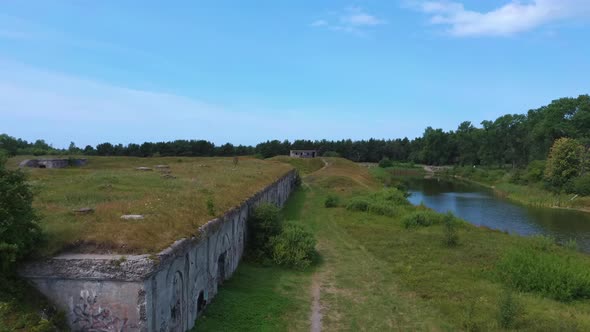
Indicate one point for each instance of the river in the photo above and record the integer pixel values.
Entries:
(479, 206)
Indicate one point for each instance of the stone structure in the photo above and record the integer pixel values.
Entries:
(160, 293)
(53, 163)
(303, 153)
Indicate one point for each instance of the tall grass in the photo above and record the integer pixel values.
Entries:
(548, 273)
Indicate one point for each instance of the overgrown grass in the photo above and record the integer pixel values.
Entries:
(303, 165)
(555, 275)
(173, 207)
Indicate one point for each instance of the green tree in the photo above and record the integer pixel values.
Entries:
(19, 231)
(564, 162)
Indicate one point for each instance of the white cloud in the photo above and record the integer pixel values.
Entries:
(511, 18)
(351, 20)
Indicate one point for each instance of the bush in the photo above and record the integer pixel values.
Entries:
(535, 171)
(332, 201)
(19, 231)
(451, 238)
(358, 204)
(581, 185)
(550, 274)
(509, 310)
(385, 162)
(293, 247)
(264, 224)
(421, 219)
(382, 209)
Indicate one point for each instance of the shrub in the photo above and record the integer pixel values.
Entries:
(547, 273)
(392, 195)
(264, 224)
(535, 171)
(382, 209)
(564, 162)
(358, 204)
(509, 310)
(581, 185)
(421, 219)
(293, 247)
(332, 201)
(451, 238)
(19, 231)
(385, 162)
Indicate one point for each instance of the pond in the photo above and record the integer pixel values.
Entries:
(480, 206)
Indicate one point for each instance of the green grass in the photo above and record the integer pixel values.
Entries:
(303, 165)
(259, 298)
(375, 274)
(174, 207)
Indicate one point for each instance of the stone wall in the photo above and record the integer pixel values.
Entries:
(165, 292)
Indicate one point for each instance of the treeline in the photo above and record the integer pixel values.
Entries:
(513, 139)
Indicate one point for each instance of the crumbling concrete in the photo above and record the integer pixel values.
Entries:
(53, 163)
(162, 292)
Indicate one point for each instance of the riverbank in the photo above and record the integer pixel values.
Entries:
(532, 195)
(377, 274)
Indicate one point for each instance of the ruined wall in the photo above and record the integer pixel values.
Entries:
(53, 163)
(144, 293)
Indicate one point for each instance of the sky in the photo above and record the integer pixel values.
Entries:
(249, 71)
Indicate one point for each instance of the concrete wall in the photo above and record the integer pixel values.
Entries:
(52, 163)
(145, 293)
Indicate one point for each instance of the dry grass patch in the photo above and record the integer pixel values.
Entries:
(173, 207)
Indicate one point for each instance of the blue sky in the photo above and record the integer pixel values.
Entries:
(247, 71)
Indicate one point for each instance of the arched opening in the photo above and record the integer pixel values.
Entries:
(201, 302)
(221, 269)
(42, 166)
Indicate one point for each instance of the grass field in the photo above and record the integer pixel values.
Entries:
(303, 165)
(377, 275)
(197, 190)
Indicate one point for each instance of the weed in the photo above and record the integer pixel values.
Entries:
(451, 238)
(211, 206)
(332, 201)
(572, 245)
(547, 273)
(421, 219)
(509, 310)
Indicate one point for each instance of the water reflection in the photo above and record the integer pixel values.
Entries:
(480, 206)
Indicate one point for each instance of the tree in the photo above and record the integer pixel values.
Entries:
(19, 231)
(564, 162)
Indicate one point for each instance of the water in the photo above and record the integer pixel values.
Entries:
(479, 206)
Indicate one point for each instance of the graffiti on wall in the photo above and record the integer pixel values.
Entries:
(91, 317)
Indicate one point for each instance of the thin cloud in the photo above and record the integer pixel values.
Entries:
(352, 20)
(509, 19)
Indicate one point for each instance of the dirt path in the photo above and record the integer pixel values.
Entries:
(316, 307)
(316, 289)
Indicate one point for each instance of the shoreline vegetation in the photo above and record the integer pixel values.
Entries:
(533, 195)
